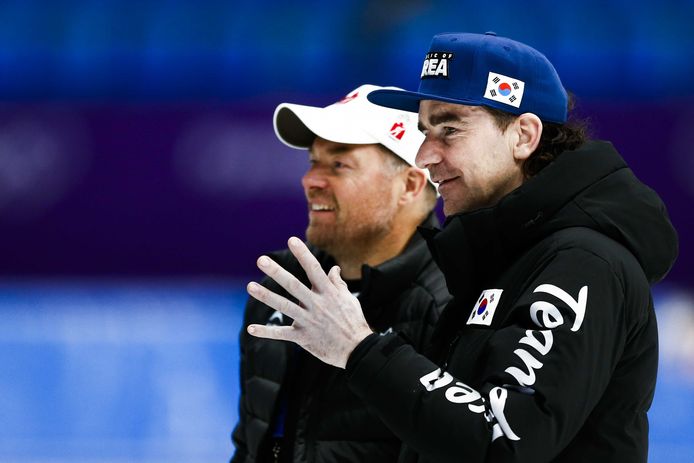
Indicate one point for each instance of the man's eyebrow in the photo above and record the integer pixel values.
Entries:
(442, 118)
(338, 149)
(333, 150)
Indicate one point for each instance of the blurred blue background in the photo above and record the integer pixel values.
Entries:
(140, 178)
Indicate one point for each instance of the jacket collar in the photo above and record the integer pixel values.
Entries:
(475, 247)
(382, 282)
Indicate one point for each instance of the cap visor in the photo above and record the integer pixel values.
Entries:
(409, 101)
(297, 126)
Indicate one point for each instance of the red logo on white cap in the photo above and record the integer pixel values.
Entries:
(398, 130)
(349, 98)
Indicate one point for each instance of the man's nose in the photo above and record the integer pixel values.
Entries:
(429, 154)
(314, 179)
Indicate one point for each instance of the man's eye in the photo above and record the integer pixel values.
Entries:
(338, 165)
(449, 130)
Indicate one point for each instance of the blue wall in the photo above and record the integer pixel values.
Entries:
(155, 50)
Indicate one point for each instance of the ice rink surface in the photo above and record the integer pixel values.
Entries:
(132, 371)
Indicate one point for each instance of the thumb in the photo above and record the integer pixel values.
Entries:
(335, 278)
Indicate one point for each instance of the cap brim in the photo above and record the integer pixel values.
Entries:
(409, 101)
(297, 126)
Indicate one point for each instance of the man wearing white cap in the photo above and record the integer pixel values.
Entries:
(365, 199)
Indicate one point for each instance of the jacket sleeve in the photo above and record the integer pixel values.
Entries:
(545, 370)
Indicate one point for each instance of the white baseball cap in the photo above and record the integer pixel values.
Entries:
(352, 120)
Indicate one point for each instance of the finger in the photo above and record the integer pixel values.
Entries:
(335, 278)
(284, 279)
(276, 301)
(281, 333)
(310, 264)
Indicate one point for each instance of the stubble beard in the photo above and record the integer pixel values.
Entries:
(352, 238)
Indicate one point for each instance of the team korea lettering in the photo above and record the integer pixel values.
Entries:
(545, 315)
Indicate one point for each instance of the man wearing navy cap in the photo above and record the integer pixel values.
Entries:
(549, 350)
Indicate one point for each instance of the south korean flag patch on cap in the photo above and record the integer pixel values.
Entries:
(504, 89)
(483, 313)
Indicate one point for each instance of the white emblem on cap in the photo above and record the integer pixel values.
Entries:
(504, 89)
(436, 64)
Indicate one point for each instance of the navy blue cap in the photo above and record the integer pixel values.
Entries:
(484, 70)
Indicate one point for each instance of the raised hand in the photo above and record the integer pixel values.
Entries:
(329, 323)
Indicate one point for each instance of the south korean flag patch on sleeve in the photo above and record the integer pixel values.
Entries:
(483, 312)
(504, 89)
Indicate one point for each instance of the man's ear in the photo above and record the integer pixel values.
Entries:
(528, 130)
(415, 181)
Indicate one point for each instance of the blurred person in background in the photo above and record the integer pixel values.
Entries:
(365, 201)
(549, 349)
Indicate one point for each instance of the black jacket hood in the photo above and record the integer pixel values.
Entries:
(589, 187)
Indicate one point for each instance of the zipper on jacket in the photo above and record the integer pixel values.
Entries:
(276, 451)
(449, 354)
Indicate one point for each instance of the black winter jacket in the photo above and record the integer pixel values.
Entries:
(327, 422)
(548, 350)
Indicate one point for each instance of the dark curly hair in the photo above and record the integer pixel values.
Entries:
(555, 138)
